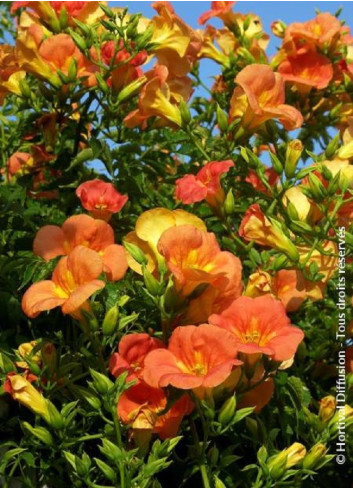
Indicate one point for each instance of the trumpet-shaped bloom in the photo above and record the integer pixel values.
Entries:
(149, 228)
(10, 72)
(197, 356)
(21, 390)
(223, 10)
(289, 286)
(307, 69)
(100, 198)
(260, 97)
(194, 258)
(141, 405)
(52, 241)
(132, 351)
(255, 226)
(74, 280)
(260, 325)
(44, 57)
(160, 97)
(205, 185)
(176, 45)
(323, 30)
(87, 12)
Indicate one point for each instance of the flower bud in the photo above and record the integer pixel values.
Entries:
(222, 119)
(227, 410)
(25, 89)
(277, 465)
(106, 469)
(185, 113)
(102, 84)
(131, 89)
(144, 38)
(88, 395)
(110, 321)
(49, 356)
(151, 283)
(295, 454)
(278, 28)
(286, 459)
(246, 54)
(327, 408)
(317, 190)
(276, 164)
(78, 40)
(136, 253)
(6, 364)
(314, 456)
(54, 417)
(101, 382)
(293, 153)
(41, 433)
(229, 203)
(332, 146)
(213, 455)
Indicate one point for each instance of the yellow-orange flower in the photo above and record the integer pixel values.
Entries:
(149, 228)
(160, 97)
(176, 44)
(255, 226)
(74, 280)
(260, 97)
(22, 390)
(10, 72)
(196, 260)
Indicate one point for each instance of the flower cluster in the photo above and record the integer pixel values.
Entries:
(175, 261)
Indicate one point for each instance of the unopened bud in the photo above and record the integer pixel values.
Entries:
(136, 253)
(41, 433)
(222, 119)
(276, 164)
(332, 146)
(78, 40)
(110, 321)
(278, 28)
(314, 456)
(185, 113)
(54, 418)
(318, 191)
(327, 408)
(101, 383)
(131, 89)
(151, 283)
(24, 88)
(229, 203)
(293, 153)
(227, 410)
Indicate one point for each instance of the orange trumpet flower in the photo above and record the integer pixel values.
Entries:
(194, 258)
(131, 355)
(260, 97)
(52, 241)
(197, 356)
(100, 198)
(307, 69)
(205, 185)
(141, 405)
(74, 280)
(260, 325)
